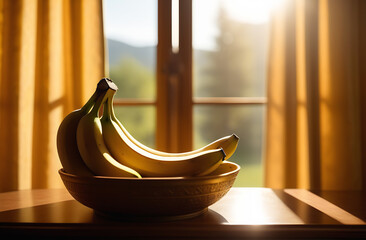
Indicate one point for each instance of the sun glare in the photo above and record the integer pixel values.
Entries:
(251, 11)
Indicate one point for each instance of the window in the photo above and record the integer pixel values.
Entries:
(131, 38)
(190, 72)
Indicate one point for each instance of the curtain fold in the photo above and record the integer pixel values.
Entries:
(316, 103)
(51, 57)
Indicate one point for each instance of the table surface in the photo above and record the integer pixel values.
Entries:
(242, 213)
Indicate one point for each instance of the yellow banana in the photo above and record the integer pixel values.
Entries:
(227, 143)
(151, 165)
(91, 144)
(66, 137)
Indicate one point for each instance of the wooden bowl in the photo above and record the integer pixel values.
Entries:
(165, 198)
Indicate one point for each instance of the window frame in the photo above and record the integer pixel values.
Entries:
(174, 99)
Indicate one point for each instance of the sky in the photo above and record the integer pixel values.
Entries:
(135, 21)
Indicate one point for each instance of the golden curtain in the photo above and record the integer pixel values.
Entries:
(51, 57)
(316, 96)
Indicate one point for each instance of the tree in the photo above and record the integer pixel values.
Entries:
(229, 72)
(135, 81)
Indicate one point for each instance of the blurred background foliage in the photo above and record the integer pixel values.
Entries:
(235, 68)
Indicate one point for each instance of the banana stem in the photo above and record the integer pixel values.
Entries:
(111, 113)
(107, 109)
(102, 86)
(111, 109)
(89, 104)
(100, 100)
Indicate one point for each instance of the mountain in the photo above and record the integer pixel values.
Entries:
(146, 56)
(117, 51)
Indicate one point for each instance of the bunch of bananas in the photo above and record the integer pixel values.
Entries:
(91, 145)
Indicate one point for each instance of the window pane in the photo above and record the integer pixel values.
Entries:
(230, 47)
(139, 122)
(131, 32)
(213, 122)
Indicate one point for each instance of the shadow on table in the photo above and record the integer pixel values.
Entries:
(304, 211)
(71, 211)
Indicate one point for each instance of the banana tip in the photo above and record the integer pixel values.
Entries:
(223, 153)
(236, 136)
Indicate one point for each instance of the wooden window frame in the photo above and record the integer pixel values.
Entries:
(174, 99)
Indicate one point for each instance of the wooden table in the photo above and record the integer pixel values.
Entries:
(244, 213)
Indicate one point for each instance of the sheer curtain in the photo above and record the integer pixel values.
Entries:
(316, 121)
(51, 57)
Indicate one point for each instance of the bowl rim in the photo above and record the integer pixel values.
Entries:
(234, 171)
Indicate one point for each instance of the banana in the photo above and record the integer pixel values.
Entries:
(66, 138)
(227, 143)
(149, 164)
(91, 144)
